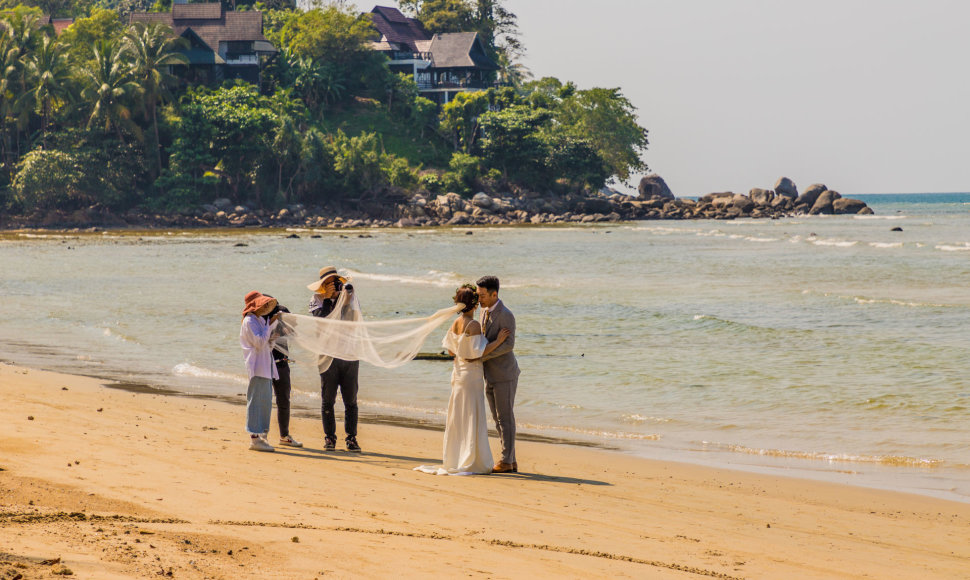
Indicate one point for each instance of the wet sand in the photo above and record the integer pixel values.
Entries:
(131, 482)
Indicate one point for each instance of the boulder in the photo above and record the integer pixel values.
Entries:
(482, 200)
(786, 187)
(593, 205)
(743, 203)
(223, 203)
(710, 197)
(761, 196)
(653, 186)
(811, 194)
(847, 205)
(823, 204)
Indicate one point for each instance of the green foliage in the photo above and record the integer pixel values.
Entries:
(513, 142)
(224, 131)
(85, 33)
(460, 118)
(339, 37)
(79, 169)
(465, 171)
(609, 121)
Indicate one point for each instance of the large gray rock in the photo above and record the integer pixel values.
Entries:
(223, 203)
(653, 186)
(593, 205)
(710, 197)
(810, 195)
(482, 200)
(823, 204)
(847, 205)
(761, 196)
(743, 203)
(786, 187)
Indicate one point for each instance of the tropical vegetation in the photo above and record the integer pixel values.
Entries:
(97, 115)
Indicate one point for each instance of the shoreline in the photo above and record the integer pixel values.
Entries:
(867, 475)
(114, 483)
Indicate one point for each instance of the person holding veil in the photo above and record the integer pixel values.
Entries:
(465, 448)
(334, 298)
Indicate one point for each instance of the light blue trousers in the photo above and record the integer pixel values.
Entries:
(259, 405)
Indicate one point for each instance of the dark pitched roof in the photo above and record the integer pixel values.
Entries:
(395, 27)
(460, 50)
(203, 11)
(224, 27)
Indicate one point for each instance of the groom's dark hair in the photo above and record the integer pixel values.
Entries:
(489, 283)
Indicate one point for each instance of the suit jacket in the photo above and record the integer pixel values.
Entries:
(500, 364)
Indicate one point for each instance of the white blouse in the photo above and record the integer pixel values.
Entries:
(255, 337)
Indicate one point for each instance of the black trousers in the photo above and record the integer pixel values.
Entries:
(281, 387)
(342, 374)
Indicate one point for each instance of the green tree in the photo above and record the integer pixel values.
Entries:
(154, 49)
(609, 121)
(224, 132)
(19, 35)
(49, 78)
(341, 38)
(358, 162)
(513, 142)
(110, 89)
(79, 168)
(460, 118)
(84, 34)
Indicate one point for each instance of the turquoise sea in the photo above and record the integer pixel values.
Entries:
(827, 347)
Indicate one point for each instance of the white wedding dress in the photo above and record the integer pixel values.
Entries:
(466, 450)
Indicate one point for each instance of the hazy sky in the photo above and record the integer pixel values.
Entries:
(866, 96)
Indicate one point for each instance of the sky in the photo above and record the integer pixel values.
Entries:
(865, 96)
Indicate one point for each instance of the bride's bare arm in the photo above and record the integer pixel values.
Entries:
(502, 335)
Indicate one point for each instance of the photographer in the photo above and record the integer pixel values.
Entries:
(333, 298)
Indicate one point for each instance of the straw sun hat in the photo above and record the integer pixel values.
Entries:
(325, 273)
(254, 301)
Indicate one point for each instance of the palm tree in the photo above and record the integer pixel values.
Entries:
(49, 75)
(16, 41)
(154, 49)
(110, 88)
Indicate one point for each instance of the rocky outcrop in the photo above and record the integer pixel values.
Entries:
(654, 187)
(400, 209)
(786, 187)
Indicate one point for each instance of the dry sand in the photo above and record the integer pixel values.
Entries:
(109, 483)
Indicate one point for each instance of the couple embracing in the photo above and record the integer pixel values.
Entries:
(484, 367)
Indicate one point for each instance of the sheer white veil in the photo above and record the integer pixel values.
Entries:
(344, 334)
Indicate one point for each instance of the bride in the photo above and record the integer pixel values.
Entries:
(466, 449)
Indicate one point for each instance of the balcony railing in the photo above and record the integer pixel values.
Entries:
(242, 59)
(401, 55)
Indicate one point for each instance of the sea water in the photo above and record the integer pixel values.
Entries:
(828, 347)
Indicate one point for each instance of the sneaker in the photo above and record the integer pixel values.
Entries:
(289, 441)
(352, 445)
(259, 444)
(330, 443)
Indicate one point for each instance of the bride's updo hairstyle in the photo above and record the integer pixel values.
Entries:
(468, 296)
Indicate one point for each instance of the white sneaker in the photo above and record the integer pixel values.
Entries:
(258, 444)
(289, 441)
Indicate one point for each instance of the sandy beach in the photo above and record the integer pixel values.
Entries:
(111, 483)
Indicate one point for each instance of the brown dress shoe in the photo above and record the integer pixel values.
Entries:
(504, 468)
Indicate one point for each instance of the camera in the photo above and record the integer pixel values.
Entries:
(340, 284)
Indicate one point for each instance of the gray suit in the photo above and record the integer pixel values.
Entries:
(502, 378)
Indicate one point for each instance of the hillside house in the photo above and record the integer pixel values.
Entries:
(442, 65)
(222, 44)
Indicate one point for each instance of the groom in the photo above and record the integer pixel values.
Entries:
(501, 370)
